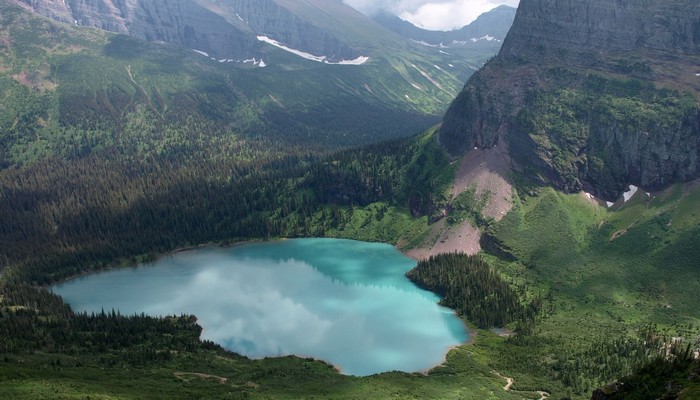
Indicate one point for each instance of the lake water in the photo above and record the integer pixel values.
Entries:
(341, 301)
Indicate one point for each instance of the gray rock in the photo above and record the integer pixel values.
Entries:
(617, 49)
(223, 29)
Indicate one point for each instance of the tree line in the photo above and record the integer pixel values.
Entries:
(475, 290)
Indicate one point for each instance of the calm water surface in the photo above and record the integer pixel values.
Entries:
(341, 301)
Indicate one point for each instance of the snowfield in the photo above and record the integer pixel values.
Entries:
(322, 59)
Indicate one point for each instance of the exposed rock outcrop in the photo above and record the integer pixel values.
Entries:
(223, 29)
(580, 92)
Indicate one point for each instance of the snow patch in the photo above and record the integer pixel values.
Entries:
(322, 59)
(609, 204)
(255, 62)
(358, 61)
(438, 67)
(451, 66)
(590, 196)
(423, 43)
(444, 52)
(486, 37)
(204, 53)
(698, 74)
(239, 17)
(416, 86)
(628, 194)
(428, 77)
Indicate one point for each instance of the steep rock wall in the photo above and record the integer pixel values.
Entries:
(590, 94)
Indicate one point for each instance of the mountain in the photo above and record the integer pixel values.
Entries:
(223, 29)
(593, 95)
(314, 74)
(489, 29)
(231, 29)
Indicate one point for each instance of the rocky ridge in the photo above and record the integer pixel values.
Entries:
(223, 29)
(592, 95)
(489, 29)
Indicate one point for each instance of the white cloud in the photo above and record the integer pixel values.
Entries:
(432, 14)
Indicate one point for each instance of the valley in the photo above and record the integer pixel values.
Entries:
(115, 150)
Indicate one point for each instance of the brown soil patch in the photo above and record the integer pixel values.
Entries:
(443, 239)
(486, 171)
(37, 80)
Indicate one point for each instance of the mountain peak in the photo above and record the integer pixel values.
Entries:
(491, 26)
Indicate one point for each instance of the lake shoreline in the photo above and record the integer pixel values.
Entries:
(470, 333)
(467, 334)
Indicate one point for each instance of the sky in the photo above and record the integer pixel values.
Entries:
(432, 14)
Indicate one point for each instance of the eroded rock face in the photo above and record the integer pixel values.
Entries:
(590, 94)
(224, 29)
(272, 19)
(54, 9)
(576, 29)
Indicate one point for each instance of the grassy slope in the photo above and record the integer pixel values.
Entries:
(596, 290)
(69, 90)
(602, 288)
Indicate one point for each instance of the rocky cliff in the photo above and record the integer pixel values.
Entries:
(590, 94)
(223, 29)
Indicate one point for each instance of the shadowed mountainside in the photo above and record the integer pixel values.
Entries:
(591, 95)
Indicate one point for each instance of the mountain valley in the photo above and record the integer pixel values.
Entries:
(555, 208)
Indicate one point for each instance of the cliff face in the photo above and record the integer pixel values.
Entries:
(579, 28)
(590, 94)
(224, 29)
(270, 17)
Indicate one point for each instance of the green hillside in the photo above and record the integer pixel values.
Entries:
(71, 91)
(605, 306)
(114, 151)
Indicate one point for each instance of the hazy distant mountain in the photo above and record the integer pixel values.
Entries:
(264, 69)
(490, 28)
(230, 28)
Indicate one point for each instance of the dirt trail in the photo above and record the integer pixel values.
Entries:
(509, 384)
(185, 375)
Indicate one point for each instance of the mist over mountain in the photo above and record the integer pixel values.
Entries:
(314, 72)
(489, 29)
(555, 209)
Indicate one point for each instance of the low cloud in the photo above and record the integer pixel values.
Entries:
(432, 14)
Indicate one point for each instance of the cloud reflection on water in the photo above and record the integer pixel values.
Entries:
(352, 308)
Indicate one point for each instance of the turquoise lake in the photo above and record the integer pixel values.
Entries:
(345, 302)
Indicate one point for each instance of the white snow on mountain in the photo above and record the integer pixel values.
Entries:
(322, 59)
